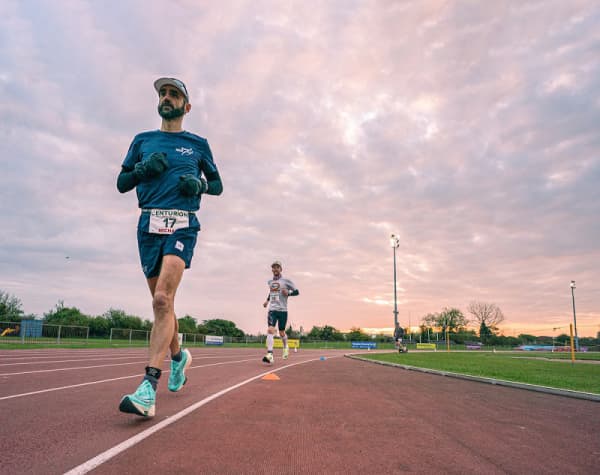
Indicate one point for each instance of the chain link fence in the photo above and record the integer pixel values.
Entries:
(36, 331)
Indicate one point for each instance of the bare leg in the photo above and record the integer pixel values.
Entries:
(163, 304)
(174, 347)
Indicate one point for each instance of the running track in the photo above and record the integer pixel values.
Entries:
(58, 414)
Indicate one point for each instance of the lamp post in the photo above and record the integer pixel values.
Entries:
(395, 243)
(574, 315)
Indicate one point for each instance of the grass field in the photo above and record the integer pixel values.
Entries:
(522, 368)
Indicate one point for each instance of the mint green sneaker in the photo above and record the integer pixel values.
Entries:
(177, 376)
(286, 353)
(141, 402)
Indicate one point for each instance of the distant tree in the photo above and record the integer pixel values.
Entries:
(382, 337)
(10, 308)
(524, 338)
(588, 341)
(356, 334)
(464, 336)
(220, 327)
(510, 341)
(430, 320)
(452, 319)
(563, 339)
(61, 315)
(488, 316)
(187, 324)
(315, 333)
(425, 330)
(485, 332)
(119, 319)
(331, 334)
(99, 326)
(291, 333)
(449, 318)
(326, 332)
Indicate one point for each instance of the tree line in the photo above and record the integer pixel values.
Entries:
(485, 316)
(11, 311)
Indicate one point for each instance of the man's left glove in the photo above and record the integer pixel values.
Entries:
(189, 185)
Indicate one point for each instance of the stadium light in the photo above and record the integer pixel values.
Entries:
(395, 243)
(574, 315)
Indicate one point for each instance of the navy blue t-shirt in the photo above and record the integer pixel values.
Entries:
(187, 153)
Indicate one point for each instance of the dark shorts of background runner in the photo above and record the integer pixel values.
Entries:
(152, 248)
(278, 317)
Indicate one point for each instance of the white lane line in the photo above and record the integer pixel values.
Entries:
(98, 366)
(59, 353)
(128, 443)
(79, 360)
(112, 379)
(69, 369)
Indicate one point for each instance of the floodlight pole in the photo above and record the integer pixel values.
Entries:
(574, 315)
(395, 243)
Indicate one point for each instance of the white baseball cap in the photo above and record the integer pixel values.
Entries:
(276, 263)
(176, 83)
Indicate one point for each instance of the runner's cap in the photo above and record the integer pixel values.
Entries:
(276, 263)
(176, 83)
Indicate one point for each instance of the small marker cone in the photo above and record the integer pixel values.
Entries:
(270, 377)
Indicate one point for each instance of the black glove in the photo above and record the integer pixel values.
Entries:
(153, 167)
(189, 185)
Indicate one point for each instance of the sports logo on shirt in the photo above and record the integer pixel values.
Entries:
(185, 151)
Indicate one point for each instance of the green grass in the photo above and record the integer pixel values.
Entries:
(558, 356)
(556, 374)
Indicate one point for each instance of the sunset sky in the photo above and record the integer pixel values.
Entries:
(470, 129)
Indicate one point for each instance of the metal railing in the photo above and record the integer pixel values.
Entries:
(36, 331)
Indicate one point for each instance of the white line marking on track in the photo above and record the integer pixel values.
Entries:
(79, 360)
(21, 356)
(69, 369)
(126, 444)
(112, 379)
(95, 366)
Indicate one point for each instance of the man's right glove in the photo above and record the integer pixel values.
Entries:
(153, 167)
(189, 185)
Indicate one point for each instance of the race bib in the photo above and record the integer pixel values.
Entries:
(274, 296)
(167, 221)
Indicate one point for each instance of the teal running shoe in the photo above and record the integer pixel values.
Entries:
(177, 376)
(141, 402)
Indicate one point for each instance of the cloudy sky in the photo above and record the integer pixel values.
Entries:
(468, 128)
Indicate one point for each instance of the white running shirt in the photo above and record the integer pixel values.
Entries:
(278, 301)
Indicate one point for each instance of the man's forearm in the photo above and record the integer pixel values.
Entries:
(126, 181)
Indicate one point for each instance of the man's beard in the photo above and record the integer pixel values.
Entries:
(174, 113)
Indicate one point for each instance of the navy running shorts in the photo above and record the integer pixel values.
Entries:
(152, 248)
(278, 317)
